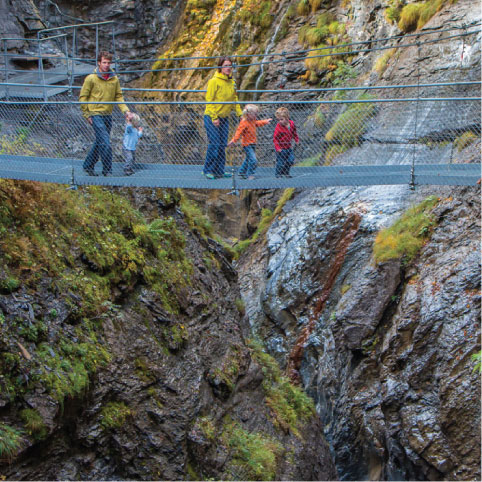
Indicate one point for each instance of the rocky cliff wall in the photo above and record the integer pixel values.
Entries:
(152, 379)
(383, 349)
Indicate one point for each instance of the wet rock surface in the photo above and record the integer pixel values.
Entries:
(382, 354)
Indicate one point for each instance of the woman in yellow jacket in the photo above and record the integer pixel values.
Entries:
(221, 88)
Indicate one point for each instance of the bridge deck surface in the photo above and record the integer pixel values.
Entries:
(49, 77)
(64, 171)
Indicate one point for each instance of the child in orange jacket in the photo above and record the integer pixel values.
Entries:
(247, 132)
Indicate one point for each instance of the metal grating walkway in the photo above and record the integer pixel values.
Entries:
(67, 171)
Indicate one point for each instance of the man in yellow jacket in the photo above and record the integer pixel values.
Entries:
(221, 88)
(102, 86)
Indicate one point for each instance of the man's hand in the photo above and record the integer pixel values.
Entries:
(89, 120)
(216, 122)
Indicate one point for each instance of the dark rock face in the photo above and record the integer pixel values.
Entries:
(140, 26)
(184, 381)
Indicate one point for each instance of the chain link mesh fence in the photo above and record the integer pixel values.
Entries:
(364, 132)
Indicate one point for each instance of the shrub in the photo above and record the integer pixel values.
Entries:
(240, 306)
(324, 19)
(407, 235)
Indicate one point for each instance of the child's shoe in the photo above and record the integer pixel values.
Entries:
(250, 178)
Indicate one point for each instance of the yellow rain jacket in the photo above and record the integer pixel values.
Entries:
(221, 89)
(96, 88)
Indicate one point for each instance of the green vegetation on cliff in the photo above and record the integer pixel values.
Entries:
(83, 250)
(408, 234)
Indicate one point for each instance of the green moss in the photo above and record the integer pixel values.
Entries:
(114, 415)
(10, 442)
(477, 358)
(253, 455)
(345, 288)
(9, 284)
(175, 336)
(34, 424)
(143, 371)
(206, 426)
(64, 370)
(407, 235)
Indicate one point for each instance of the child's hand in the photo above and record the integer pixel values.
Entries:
(269, 120)
(230, 143)
(140, 129)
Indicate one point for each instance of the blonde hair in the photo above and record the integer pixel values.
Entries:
(250, 108)
(282, 113)
(135, 120)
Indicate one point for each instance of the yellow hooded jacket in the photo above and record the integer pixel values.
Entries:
(96, 88)
(221, 89)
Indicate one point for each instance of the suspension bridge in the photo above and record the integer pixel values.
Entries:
(418, 133)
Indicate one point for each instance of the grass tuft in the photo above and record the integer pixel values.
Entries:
(465, 140)
(10, 442)
(405, 238)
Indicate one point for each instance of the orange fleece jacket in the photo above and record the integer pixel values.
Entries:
(247, 131)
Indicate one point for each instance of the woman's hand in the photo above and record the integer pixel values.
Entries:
(216, 122)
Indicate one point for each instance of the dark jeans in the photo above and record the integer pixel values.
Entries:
(284, 160)
(102, 125)
(249, 165)
(216, 151)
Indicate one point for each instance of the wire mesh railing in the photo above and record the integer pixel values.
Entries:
(352, 137)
